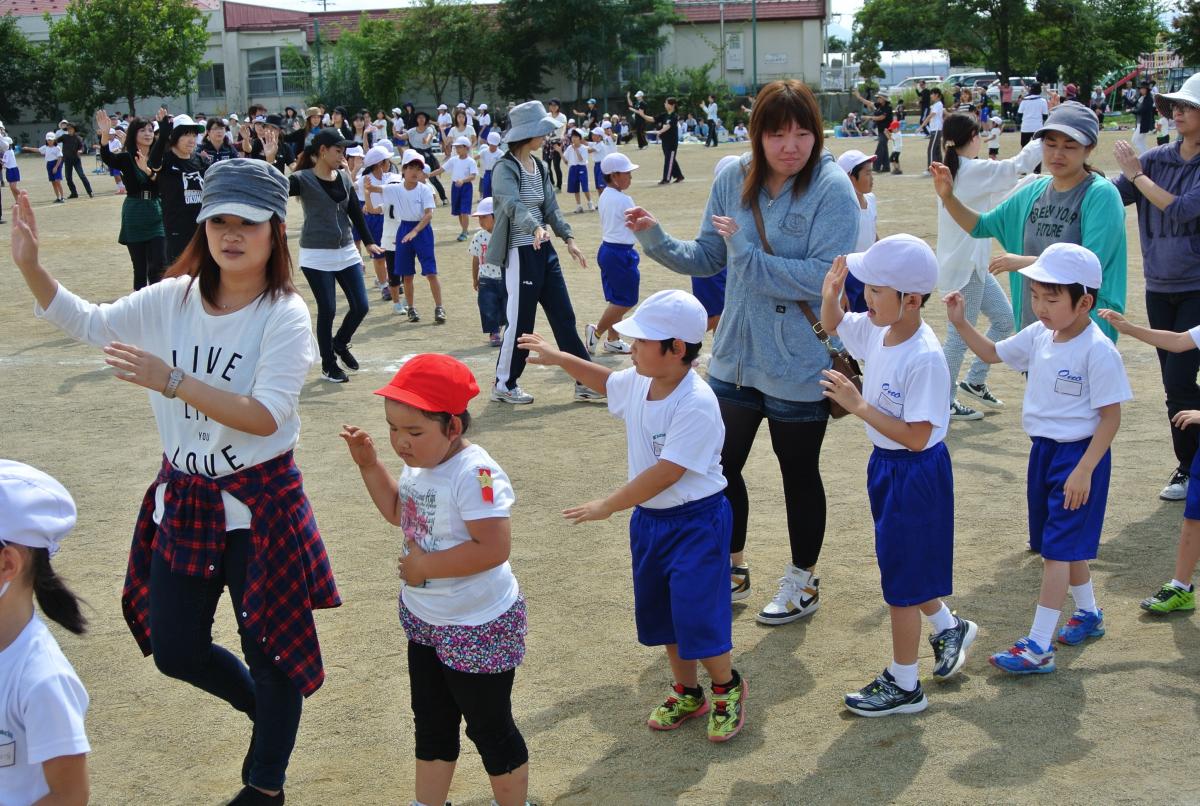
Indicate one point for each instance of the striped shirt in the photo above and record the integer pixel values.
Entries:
(533, 197)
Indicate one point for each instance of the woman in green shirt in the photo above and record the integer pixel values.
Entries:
(142, 230)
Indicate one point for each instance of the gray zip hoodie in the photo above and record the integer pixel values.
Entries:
(765, 341)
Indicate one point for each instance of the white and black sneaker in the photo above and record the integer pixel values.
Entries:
(950, 647)
(981, 393)
(586, 394)
(515, 396)
(958, 411)
(342, 351)
(334, 374)
(1176, 489)
(590, 339)
(882, 697)
(739, 582)
(796, 598)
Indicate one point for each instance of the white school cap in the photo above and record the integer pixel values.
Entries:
(397, 110)
(233, 116)
(462, 140)
(725, 160)
(355, 151)
(387, 144)
(670, 314)
(852, 159)
(411, 155)
(376, 155)
(606, 124)
(597, 132)
(903, 262)
(35, 510)
(484, 208)
(483, 107)
(51, 136)
(441, 107)
(493, 138)
(1066, 264)
(616, 162)
(639, 94)
(460, 105)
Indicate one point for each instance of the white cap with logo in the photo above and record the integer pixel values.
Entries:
(1066, 264)
(903, 262)
(669, 314)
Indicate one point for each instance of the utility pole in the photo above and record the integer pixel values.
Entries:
(754, 45)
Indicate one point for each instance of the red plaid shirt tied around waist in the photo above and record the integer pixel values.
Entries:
(287, 575)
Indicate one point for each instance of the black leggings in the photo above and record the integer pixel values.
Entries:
(442, 697)
(1178, 312)
(798, 448)
(432, 161)
(149, 260)
(554, 164)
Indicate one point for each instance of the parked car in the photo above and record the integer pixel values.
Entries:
(971, 80)
(1020, 86)
(910, 84)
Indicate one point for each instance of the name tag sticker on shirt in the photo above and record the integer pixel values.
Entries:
(8, 754)
(889, 406)
(1068, 385)
(485, 485)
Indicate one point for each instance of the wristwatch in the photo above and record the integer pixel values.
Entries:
(173, 382)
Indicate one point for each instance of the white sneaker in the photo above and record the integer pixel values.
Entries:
(591, 207)
(579, 208)
(618, 346)
(586, 394)
(1176, 489)
(516, 396)
(797, 597)
(400, 308)
(589, 339)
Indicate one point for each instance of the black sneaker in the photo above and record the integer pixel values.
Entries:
(960, 412)
(413, 316)
(249, 796)
(342, 351)
(950, 647)
(334, 374)
(439, 315)
(981, 393)
(883, 697)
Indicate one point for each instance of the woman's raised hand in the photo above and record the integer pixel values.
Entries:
(639, 219)
(103, 122)
(1126, 157)
(943, 182)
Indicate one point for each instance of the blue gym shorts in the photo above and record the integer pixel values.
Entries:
(485, 185)
(912, 502)
(681, 576)
(420, 247)
(460, 200)
(711, 292)
(598, 176)
(14, 175)
(1054, 532)
(619, 275)
(374, 226)
(52, 174)
(1191, 508)
(577, 179)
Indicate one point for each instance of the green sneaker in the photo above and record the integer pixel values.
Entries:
(678, 708)
(728, 713)
(1169, 599)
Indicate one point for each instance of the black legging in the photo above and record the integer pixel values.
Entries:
(934, 154)
(432, 161)
(149, 260)
(798, 448)
(554, 164)
(711, 139)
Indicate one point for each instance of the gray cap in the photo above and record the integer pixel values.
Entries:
(529, 120)
(1075, 121)
(250, 189)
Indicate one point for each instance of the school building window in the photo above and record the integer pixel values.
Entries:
(265, 74)
(212, 81)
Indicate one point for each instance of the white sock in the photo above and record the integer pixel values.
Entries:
(1044, 622)
(1085, 597)
(905, 675)
(942, 620)
(1183, 586)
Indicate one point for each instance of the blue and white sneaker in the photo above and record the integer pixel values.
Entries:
(1082, 625)
(1025, 657)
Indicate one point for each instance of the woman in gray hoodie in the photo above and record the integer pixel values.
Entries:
(766, 360)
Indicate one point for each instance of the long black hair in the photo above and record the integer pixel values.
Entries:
(56, 601)
(958, 130)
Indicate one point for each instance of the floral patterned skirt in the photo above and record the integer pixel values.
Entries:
(497, 646)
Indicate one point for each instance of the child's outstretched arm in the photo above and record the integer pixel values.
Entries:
(641, 488)
(1079, 484)
(589, 373)
(384, 490)
(981, 345)
(831, 292)
(1167, 340)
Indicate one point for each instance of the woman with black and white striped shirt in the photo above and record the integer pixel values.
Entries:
(525, 206)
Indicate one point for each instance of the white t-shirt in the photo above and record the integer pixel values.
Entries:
(484, 120)
(1068, 381)
(561, 120)
(42, 705)
(455, 132)
(460, 168)
(909, 381)
(10, 159)
(576, 155)
(51, 153)
(264, 350)
(897, 141)
(613, 204)
(488, 158)
(405, 204)
(1033, 110)
(330, 259)
(991, 138)
(445, 121)
(867, 216)
(478, 248)
(435, 505)
(936, 111)
(601, 149)
(1195, 334)
(684, 428)
(377, 182)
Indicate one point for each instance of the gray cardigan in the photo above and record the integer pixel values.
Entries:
(326, 222)
(511, 212)
(765, 341)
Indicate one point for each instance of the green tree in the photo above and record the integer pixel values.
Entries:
(1115, 31)
(835, 44)
(381, 62)
(422, 32)
(126, 49)
(1185, 31)
(28, 75)
(866, 53)
(690, 87)
(520, 66)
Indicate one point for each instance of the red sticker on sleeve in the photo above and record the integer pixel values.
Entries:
(485, 485)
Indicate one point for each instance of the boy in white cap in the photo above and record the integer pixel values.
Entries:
(411, 203)
(375, 167)
(43, 745)
(54, 162)
(601, 146)
(462, 170)
(487, 278)
(488, 158)
(1072, 411)
(856, 165)
(484, 123)
(444, 119)
(575, 156)
(682, 523)
(618, 255)
(909, 479)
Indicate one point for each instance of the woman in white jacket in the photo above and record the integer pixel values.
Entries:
(965, 263)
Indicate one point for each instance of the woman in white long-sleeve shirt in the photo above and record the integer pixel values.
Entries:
(964, 262)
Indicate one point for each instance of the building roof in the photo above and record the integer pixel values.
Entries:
(36, 8)
(740, 10)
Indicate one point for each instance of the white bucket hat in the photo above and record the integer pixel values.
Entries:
(1189, 93)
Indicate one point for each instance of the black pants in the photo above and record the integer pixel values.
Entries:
(640, 131)
(149, 260)
(881, 152)
(322, 284)
(535, 278)
(432, 161)
(671, 168)
(442, 697)
(75, 165)
(554, 165)
(181, 612)
(797, 447)
(711, 140)
(176, 243)
(934, 153)
(1178, 312)
(1025, 138)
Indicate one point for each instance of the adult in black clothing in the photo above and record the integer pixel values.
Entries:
(409, 114)
(637, 112)
(338, 121)
(882, 117)
(297, 140)
(923, 94)
(72, 149)
(216, 146)
(141, 214)
(256, 144)
(591, 115)
(1144, 113)
(178, 170)
(668, 136)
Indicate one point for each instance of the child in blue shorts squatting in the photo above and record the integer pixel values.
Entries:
(909, 480)
(682, 523)
(411, 201)
(618, 256)
(711, 290)
(1072, 411)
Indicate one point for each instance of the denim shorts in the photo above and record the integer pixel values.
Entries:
(773, 408)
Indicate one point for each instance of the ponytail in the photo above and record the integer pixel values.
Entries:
(54, 598)
(305, 160)
(958, 130)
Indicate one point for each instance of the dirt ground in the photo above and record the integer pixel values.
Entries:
(1113, 725)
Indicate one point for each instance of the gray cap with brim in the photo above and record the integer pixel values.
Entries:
(249, 189)
(1075, 121)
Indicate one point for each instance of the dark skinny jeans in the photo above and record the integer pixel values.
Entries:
(323, 285)
(1178, 312)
